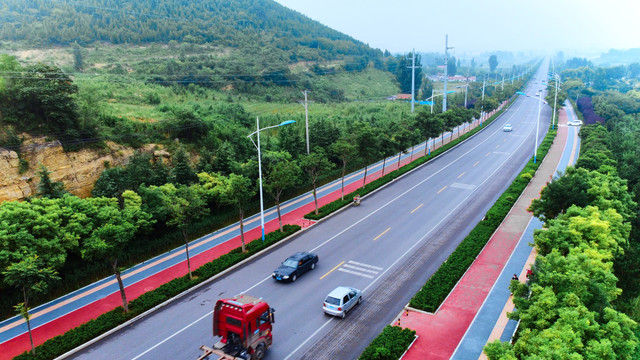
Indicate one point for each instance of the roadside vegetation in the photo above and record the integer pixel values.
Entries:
(583, 298)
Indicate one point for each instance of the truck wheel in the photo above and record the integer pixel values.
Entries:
(258, 354)
(294, 277)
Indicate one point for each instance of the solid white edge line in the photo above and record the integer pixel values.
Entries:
(172, 335)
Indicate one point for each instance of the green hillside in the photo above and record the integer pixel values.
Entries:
(255, 47)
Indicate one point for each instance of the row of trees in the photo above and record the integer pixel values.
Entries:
(567, 309)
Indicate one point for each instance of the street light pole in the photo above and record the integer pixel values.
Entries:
(535, 145)
(540, 101)
(257, 132)
(555, 101)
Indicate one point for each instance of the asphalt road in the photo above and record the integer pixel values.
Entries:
(388, 247)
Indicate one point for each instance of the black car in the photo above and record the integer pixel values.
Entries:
(295, 265)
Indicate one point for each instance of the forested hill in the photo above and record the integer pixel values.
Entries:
(228, 23)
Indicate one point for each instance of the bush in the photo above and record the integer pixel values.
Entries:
(389, 345)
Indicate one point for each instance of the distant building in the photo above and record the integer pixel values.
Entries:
(400, 97)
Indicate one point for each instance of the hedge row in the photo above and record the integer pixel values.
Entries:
(337, 204)
(446, 277)
(73, 338)
(390, 344)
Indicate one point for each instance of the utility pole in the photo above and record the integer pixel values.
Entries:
(484, 81)
(446, 65)
(413, 78)
(306, 118)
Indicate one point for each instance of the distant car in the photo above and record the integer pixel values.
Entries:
(574, 123)
(341, 300)
(295, 265)
(507, 127)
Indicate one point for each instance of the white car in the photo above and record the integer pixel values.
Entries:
(341, 300)
(574, 123)
(507, 127)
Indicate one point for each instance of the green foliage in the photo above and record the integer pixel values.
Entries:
(497, 350)
(41, 100)
(23, 166)
(392, 342)
(48, 188)
(315, 164)
(87, 331)
(493, 63)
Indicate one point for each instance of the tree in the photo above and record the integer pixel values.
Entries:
(430, 126)
(182, 173)
(387, 148)
(42, 100)
(451, 66)
(346, 151)
(234, 190)
(31, 276)
(78, 63)
(367, 143)
(281, 173)
(493, 63)
(315, 164)
(403, 72)
(291, 141)
(184, 205)
(114, 228)
(48, 188)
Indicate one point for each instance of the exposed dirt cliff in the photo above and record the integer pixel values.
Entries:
(77, 170)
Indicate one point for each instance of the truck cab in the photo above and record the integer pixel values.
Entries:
(244, 324)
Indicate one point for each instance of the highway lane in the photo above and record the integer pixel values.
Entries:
(388, 247)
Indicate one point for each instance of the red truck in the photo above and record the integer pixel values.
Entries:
(244, 324)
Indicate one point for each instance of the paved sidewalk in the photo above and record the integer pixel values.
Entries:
(67, 312)
(441, 333)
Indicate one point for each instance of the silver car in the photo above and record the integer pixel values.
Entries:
(341, 300)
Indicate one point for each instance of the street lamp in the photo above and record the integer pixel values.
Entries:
(555, 99)
(260, 163)
(540, 101)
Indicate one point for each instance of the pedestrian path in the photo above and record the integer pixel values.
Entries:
(76, 308)
(467, 318)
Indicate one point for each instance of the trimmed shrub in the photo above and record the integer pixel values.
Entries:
(389, 345)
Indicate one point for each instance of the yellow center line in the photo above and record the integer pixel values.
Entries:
(461, 175)
(384, 232)
(477, 162)
(489, 153)
(330, 271)
(497, 146)
(419, 206)
(441, 190)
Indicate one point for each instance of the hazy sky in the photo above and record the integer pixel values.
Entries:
(574, 26)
